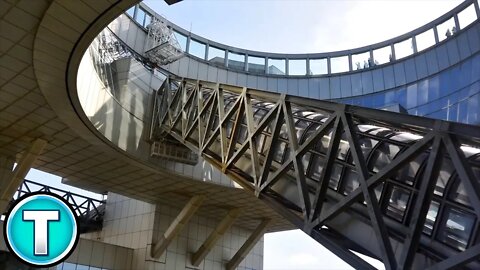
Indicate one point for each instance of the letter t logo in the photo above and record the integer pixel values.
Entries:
(40, 220)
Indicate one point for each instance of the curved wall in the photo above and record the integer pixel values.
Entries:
(117, 98)
(440, 82)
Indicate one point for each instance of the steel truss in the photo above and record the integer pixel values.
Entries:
(89, 211)
(287, 151)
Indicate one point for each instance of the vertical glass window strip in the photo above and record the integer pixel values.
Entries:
(256, 64)
(197, 49)
(403, 49)
(382, 55)
(425, 40)
(148, 20)
(339, 64)
(216, 56)
(318, 66)
(131, 11)
(140, 18)
(182, 40)
(467, 16)
(431, 217)
(297, 67)
(361, 61)
(236, 61)
(276, 66)
(446, 29)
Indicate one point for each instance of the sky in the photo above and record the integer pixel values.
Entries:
(294, 26)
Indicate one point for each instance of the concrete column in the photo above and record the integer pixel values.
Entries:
(212, 239)
(11, 182)
(160, 245)
(248, 245)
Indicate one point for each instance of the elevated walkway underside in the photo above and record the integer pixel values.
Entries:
(400, 188)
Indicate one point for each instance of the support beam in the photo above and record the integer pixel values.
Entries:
(248, 245)
(10, 184)
(212, 239)
(177, 225)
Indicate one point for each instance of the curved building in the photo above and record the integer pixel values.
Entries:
(202, 147)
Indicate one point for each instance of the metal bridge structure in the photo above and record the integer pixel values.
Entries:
(89, 211)
(339, 172)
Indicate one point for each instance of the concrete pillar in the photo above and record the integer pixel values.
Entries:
(11, 181)
(160, 245)
(248, 245)
(212, 239)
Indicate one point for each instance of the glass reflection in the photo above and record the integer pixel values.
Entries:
(456, 228)
(256, 64)
(276, 66)
(216, 56)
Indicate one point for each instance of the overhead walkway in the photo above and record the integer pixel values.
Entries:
(396, 187)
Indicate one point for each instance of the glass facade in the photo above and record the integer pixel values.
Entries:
(453, 95)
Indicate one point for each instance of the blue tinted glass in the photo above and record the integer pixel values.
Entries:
(390, 97)
(401, 97)
(452, 112)
(412, 96)
(422, 92)
(462, 112)
(473, 109)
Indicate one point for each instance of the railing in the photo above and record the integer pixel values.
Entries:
(275, 64)
(413, 180)
(89, 211)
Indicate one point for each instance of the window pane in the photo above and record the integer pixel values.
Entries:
(458, 192)
(382, 55)
(467, 16)
(425, 40)
(236, 61)
(318, 66)
(397, 203)
(297, 67)
(276, 66)
(445, 29)
(339, 64)
(351, 181)
(148, 20)
(403, 49)
(362, 60)
(140, 16)
(335, 177)
(256, 64)
(182, 40)
(197, 49)
(383, 156)
(131, 11)
(431, 217)
(216, 56)
(456, 228)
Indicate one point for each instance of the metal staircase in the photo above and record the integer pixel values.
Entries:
(396, 187)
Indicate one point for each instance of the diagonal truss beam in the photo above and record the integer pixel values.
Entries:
(313, 205)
